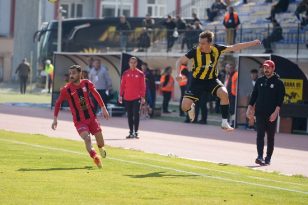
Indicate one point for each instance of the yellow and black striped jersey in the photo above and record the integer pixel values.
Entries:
(204, 64)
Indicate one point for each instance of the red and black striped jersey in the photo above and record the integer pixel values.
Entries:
(79, 100)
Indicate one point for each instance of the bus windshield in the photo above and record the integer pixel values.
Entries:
(96, 35)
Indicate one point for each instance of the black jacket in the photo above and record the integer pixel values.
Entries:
(267, 94)
(276, 34)
(283, 5)
(124, 28)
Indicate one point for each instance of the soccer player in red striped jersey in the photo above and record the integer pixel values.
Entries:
(77, 92)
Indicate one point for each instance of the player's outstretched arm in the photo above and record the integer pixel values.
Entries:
(240, 46)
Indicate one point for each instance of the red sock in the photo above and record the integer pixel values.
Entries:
(92, 153)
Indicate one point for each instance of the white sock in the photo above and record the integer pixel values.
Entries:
(224, 121)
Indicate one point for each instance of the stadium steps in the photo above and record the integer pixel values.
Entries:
(254, 25)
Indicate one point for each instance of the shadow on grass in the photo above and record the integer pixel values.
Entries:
(54, 169)
(160, 174)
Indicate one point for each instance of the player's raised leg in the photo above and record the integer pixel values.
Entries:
(88, 143)
(189, 107)
(95, 129)
(100, 144)
(222, 93)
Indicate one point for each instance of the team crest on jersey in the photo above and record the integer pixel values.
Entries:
(84, 89)
(83, 103)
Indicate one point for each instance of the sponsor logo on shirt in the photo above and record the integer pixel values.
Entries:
(133, 76)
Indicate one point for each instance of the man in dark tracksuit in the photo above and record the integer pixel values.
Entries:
(266, 100)
(23, 71)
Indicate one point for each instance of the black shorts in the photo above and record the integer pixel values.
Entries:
(198, 86)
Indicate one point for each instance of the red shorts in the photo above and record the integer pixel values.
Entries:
(90, 125)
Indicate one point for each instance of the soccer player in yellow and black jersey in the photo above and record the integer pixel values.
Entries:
(204, 73)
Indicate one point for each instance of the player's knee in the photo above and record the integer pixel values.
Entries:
(224, 96)
(222, 93)
(87, 138)
(185, 106)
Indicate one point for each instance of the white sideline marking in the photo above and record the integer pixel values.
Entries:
(224, 172)
(160, 167)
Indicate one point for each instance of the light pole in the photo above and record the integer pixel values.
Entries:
(59, 43)
(121, 8)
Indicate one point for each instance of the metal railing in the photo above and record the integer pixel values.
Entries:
(156, 40)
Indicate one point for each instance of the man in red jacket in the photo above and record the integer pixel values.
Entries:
(77, 92)
(132, 89)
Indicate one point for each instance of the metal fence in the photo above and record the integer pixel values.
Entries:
(157, 39)
(293, 37)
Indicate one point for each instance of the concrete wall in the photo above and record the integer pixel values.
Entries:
(89, 9)
(142, 7)
(6, 52)
(5, 15)
(27, 22)
(170, 6)
(142, 11)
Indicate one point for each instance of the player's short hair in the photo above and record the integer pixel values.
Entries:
(209, 35)
(77, 67)
(167, 69)
(134, 58)
(254, 71)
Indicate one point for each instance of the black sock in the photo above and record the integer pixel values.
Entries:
(224, 111)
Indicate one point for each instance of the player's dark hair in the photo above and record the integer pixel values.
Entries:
(207, 34)
(77, 67)
(133, 58)
(254, 71)
(167, 69)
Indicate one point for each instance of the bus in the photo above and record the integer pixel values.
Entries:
(93, 35)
